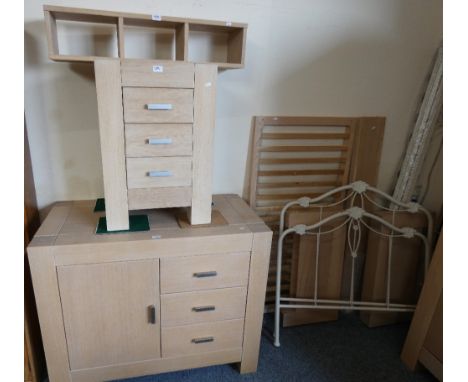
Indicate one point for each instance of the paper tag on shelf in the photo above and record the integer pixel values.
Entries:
(228, 23)
(156, 17)
(158, 68)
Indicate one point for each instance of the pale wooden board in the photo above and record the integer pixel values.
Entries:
(226, 303)
(139, 73)
(137, 140)
(407, 261)
(49, 309)
(203, 130)
(258, 277)
(111, 130)
(425, 309)
(156, 366)
(166, 197)
(330, 265)
(217, 219)
(135, 102)
(100, 299)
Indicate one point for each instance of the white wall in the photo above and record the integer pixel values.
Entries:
(304, 57)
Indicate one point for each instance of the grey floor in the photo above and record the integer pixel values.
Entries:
(341, 351)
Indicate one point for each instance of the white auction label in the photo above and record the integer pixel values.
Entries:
(158, 68)
(228, 23)
(156, 17)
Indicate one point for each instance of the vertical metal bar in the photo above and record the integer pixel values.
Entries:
(278, 287)
(389, 265)
(317, 254)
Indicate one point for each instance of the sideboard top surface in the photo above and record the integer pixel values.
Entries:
(73, 223)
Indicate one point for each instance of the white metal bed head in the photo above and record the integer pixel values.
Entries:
(354, 217)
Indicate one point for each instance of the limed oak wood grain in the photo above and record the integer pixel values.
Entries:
(111, 131)
(105, 312)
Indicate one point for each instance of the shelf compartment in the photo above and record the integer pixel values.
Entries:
(147, 39)
(216, 44)
(81, 38)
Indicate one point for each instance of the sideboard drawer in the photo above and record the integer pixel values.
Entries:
(181, 274)
(159, 172)
(201, 338)
(150, 73)
(146, 140)
(202, 306)
(158, 105)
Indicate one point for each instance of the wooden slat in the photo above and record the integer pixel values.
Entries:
(308, 121)
(286, 196)
(318, 136)
(298, 184)
(300, 172)
(278, 149)
(301, 160)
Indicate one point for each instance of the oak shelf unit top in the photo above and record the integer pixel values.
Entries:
(228, 36)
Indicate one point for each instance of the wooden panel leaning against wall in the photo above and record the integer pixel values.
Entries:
(332, 151)
(34, 363)
(424, 342)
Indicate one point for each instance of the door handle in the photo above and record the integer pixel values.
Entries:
(202, 340)
(205, 274)
(152, 314)
(159, 174)
(203, 308)
(159, 141)
(159, 106)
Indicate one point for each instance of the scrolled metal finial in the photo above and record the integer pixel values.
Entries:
(359, 186)
(355, 213)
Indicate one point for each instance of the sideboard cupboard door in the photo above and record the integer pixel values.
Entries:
(111, 312)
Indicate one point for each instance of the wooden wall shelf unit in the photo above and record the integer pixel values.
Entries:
(226, 36)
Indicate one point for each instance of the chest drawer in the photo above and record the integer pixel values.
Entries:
(158, 105)
(202, 306)
(181, 274)
(159, 172)
(150, 73)
(144, 140)
(201, 338)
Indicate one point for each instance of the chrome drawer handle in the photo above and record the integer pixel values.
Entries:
(152, 314)
(159, 106)
(205, 274)
(159, 141)
(202, 340)
(159, 174)
(203, 308)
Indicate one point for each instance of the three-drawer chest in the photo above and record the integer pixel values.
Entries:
(156, 123)
(127, 304)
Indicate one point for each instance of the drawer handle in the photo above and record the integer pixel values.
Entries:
(152, 314)
(159, 174)
(205, 274)
(159, 141)
(202, 340)
(203, 308)
(159, 106)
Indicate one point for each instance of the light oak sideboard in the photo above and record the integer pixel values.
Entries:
(127, 304)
